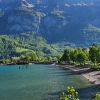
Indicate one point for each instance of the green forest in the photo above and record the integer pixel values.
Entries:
(27, 46)
(82, 56)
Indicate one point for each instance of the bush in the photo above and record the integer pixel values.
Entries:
(70, 94)
(97, 96)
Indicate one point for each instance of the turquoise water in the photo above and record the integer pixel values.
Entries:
(40, 82)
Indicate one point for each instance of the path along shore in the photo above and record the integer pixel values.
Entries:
(92, 76)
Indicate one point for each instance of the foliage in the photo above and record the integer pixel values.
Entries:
(66, 55)
(24, 43)
(81, 57)
(97, 96)
(93, 53)
(75, 55)
(30, 56)
(70, 94)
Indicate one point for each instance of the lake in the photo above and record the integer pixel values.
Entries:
(40, 82)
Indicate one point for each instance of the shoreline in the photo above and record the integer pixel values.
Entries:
(92, 76)
(29, 63)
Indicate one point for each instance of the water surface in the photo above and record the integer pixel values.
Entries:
(40, 82)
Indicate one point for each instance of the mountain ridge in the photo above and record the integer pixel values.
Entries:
(56, 20)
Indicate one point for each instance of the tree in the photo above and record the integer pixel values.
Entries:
(66, 56)
(73, 55)
(81, 57)
(93, 53)
(30, 56)
(98, 55)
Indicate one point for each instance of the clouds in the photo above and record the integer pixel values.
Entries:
(67, 5)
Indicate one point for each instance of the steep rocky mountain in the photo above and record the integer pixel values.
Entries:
(74, 21)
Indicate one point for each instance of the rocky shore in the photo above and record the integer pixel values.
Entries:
(93, 77)
(88, 73)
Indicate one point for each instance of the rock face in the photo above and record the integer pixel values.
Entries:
(18, 16)
(58, 20)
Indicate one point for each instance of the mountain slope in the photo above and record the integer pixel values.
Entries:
(17, 45)
(56, 20)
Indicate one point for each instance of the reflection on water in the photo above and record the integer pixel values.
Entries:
(40, 82)
(21, 67)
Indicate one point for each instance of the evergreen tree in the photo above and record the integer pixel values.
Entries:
(66, 56)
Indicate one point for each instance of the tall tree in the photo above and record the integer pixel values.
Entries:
(81, 57)
(93, 53)
(66, 56)
(73, 55)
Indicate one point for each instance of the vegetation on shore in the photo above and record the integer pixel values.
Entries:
(13, 52)
(26, 46)
(82, 56)
(72, 94)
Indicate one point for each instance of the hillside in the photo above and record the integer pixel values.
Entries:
(71, 21)
(17, 45)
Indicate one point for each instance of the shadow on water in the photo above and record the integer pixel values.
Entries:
(84, 93)
(88, 92)
(53, 67)
(60, 73)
